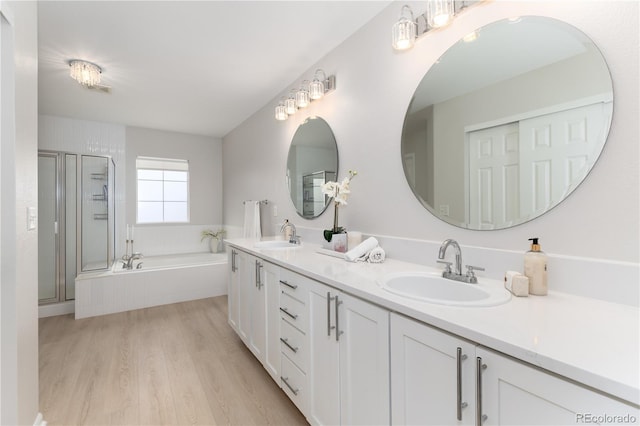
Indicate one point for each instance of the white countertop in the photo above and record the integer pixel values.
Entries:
(590, 341)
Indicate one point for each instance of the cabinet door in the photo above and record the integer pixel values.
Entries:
(258, 313)
(363, 333)
(513, 393)
(237, 310)
(425, 378)
(324, 362)
(271, 288)
(246, 283)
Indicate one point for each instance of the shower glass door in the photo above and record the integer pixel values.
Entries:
(57, 212)
(48, 284)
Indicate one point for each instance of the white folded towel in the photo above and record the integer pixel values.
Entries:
(377, 255)
(361, 249)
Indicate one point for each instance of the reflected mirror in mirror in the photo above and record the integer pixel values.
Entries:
(507, 123)
(312, 161)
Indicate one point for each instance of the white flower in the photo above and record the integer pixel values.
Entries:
(339, 191)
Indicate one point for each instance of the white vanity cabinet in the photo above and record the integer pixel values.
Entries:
(238, 261)
(432, 375)
(437, 378)
(349, 359)
(253, 307)
(514, 393)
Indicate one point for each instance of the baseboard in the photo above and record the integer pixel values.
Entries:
(55, 309)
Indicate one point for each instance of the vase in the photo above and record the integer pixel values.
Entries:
(214, 245)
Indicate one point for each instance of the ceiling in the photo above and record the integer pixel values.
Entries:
(200, 67)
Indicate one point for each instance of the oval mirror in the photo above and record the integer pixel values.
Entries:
(312, 161)
(507, 123)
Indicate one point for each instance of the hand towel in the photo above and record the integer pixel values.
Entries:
(251, 227)
(361, 249)
(377, 255)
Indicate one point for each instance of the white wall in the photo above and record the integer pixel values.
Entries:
(366, 112)
(205, 189)
(19, 293)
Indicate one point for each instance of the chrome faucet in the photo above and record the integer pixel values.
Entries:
(456, 275)
(294, 239)
(127, 261)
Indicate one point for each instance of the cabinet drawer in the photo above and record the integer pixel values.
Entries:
(294, 312)
(294, 285)
(294, 345)
(295, 384)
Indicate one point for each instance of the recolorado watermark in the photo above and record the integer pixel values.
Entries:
(588, 418)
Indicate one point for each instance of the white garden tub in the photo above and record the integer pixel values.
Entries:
(159, 280)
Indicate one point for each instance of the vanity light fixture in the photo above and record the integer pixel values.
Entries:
(281, 112)
(438, 14)
(290, 104)
(308, 92)
(86, 73)
(302, 95)
(404, 31)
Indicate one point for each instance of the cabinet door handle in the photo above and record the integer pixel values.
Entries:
(292, 286)
(286, 382)
(259, 268)
(459, 404)
(287, 344)
(289, 313)
(479, 367)
(233, 261)
(329, 327)
(338, 332)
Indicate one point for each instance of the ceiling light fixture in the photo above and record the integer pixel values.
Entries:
(438, 14)
(86, 73)
(307, 93)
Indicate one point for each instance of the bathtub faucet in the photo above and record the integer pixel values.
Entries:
(127, 261)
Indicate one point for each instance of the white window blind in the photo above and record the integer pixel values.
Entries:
(162, 190)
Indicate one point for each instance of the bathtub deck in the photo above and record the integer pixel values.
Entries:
(108, 292)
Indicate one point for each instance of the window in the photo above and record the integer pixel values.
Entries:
(163, 190)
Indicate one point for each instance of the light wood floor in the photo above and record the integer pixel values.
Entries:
(177, 364)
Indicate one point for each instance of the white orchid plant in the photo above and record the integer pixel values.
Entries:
(340, 192)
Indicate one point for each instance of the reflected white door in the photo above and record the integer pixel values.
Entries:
(494, 176)
(557, 151)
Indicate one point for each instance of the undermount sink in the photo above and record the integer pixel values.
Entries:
(275, 244)
(432, 287)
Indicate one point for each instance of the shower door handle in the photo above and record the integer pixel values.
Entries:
(55, 227)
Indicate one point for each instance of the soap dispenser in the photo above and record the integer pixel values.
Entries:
(535, 268)
(286, 228)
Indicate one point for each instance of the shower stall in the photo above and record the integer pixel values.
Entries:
(76, 220)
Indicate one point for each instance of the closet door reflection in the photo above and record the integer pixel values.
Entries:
(48, 227)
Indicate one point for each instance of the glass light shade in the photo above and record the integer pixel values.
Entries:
(302, 96)
(404, 31)
(290, 104)
(85, 73)
(281, 113)
(316, 88)
(439, 13)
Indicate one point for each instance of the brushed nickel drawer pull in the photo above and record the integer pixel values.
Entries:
(289, 313)
(286, 382)
(292, 286)
(459, 404)
(287, 344)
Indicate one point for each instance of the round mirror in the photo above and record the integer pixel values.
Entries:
(312, 161)
(507, 123)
